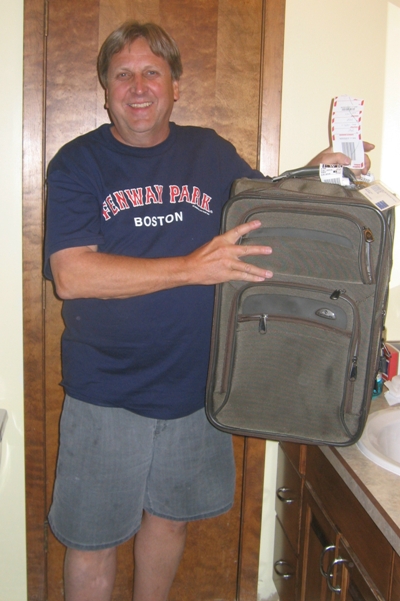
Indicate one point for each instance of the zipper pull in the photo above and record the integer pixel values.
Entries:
(368, 235)
(336, 293)
(353, 372)
(262, 326)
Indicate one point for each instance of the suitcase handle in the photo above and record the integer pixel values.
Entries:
(311, 172)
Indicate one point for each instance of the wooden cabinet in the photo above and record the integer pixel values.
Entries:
(396, 580)
(288, 503)
(355, 583)
(327, 547)
(285, 565)
(319, 550)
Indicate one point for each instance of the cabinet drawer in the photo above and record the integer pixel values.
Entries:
(288, 499)
(296, 453)
(351, 519)
(285, 565)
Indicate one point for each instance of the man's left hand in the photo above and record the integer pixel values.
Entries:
(328, 157)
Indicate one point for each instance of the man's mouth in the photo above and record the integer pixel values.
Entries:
(140, 105)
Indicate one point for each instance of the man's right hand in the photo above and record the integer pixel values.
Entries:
(220, 259)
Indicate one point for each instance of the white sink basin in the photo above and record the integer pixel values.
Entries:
(380, 441)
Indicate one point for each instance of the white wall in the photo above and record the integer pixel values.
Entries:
(345, 48)
(334, 48)
(12, 485)
(390, 172)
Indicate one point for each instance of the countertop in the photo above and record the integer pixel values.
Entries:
(377, 489)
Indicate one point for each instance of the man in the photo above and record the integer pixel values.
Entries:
(133, 248)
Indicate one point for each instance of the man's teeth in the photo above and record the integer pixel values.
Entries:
(140, 105)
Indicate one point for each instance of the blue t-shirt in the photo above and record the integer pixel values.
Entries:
(148, 354)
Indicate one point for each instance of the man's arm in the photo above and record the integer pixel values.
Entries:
(82, 272)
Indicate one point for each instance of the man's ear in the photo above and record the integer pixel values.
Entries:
(175, 86)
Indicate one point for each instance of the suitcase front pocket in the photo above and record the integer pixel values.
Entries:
(290, 370)
(313, 244)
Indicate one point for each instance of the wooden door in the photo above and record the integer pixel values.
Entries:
(232, 56)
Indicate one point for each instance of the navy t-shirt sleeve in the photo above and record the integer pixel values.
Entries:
(233, 167)
(73, 215)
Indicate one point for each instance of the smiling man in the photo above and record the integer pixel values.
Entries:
(132, 246)
(140, 94)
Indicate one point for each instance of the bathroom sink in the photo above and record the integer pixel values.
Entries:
(380, 441)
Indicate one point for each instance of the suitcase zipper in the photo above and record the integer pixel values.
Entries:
(262, 319)
(369, 238)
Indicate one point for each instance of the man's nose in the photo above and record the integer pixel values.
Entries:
(138, 83)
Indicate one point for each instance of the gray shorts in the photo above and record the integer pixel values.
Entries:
(113, 464)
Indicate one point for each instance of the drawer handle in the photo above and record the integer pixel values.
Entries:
(335, 562)
(289, 569)
(281, 492)
(321, 559)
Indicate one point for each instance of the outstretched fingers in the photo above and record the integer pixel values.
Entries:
(241, 269)
(237, 232)
(220, 260)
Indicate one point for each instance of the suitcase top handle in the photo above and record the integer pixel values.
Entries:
(311, 172)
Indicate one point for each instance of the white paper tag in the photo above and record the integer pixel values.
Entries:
(346, 129)
(380, 196)
(333, 174)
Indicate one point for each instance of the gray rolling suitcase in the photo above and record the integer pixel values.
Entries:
(295, 358)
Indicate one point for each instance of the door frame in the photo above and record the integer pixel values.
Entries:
(35, 35)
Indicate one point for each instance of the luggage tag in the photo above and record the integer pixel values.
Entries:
(343, 176)
(346, 135)
(346, 129)
(333, 174)
(380, 196)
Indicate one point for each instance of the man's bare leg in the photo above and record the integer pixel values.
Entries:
(89, 575)
(159, 546)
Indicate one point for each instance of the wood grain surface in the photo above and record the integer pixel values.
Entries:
(228, 82)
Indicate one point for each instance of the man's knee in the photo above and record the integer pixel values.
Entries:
(164, 525)
(90, 561)
(89, 574)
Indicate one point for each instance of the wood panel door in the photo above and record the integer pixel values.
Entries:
(232, 56)
(320, 540)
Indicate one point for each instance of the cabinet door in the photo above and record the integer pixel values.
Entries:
(285, 565)
(297, 454)
(363, 536)
(349, 580)
(320, 540)
(395, 596)
(288, 499)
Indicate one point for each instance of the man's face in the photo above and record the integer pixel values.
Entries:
(140, 95)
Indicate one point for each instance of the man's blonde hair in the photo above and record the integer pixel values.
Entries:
(159, 41)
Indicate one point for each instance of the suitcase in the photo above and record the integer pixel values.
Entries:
(295, 358)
